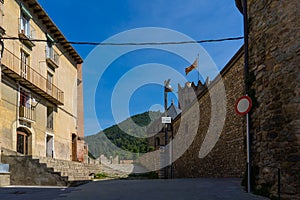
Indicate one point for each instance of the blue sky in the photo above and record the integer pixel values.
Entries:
(97, 21)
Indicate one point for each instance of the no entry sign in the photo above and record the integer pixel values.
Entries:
(243, 105)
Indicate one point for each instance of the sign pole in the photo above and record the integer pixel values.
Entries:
(242, 107)
(248, 155)
(166, 126)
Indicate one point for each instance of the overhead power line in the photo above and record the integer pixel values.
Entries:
(128, 43)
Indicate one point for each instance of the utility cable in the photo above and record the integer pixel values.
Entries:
(128, 43)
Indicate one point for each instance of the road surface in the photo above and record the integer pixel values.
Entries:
(176, 189)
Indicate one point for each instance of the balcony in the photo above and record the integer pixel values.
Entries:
(26, 32)
(27, 76)
(27, 113)
(52, 57)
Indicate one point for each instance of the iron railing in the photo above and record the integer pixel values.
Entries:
(15, 64)
(52, 55)
(26, 29)
(27, 112)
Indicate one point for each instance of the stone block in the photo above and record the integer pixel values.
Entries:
(4, 179)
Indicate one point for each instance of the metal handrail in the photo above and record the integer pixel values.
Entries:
(29, 31)
(27, 112)
(14, 63)
(52, 54)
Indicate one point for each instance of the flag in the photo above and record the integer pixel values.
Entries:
(190, 68)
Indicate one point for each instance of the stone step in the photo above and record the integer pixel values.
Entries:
(74, 171)
(85, 170)
(79, 178)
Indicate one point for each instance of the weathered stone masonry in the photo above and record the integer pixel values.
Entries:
(274, 57)
(274, 53)
(228, 157)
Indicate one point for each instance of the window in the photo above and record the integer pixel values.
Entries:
(25, 98)
(24, 64)
(22, 143)
(26, 31)
(25, 25)
(49, 51)
(52, 56)
(26, 110)
(50, 117)
(49, 146)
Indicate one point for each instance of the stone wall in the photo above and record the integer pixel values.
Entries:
(274, 53)
(27, 171)
(187, 92)
(228, 156)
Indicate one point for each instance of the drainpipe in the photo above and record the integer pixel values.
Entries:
(1, 54)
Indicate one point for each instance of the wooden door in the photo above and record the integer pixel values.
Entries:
(74, 147)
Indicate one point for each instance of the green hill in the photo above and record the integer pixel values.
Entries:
(120, 135)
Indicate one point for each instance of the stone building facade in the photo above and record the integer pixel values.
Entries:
(227, 157)
(274, 52)
(274, 80)
(41, 103)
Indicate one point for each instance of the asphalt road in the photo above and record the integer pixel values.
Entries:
(177, 189)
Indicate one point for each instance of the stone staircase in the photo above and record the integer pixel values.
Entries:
(28, 170)
(75, 172)
(32, 171)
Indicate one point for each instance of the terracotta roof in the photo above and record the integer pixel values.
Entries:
(52, 29)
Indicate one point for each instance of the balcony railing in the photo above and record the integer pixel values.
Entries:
(26, 32)
(26, 75)
(27, 113)
(52, 57)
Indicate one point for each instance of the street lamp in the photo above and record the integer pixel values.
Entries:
(167, 88)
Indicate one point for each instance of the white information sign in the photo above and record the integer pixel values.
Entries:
(166, 120)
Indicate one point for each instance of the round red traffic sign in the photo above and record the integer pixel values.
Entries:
(243, 105)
